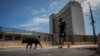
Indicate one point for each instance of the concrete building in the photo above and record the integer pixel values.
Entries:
(72, 14)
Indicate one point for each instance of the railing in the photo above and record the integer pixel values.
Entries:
(54, 38)
(4, 29)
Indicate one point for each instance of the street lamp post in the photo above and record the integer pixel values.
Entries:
(93, 22)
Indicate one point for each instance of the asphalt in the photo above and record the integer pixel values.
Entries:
(74, 50)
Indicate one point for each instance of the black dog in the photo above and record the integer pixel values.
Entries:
(30, 41)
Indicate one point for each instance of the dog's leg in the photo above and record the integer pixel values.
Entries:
(30, 46)
(27, 46)
(35, 45)
(40, 45)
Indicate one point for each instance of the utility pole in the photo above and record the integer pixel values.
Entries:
(93, 26)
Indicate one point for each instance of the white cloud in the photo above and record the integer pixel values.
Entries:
(37, 21)
(53, 4)
(44, 15)
(34, 28)
(28, 24)
(60, 3)
(94, 4)
(35, 12)
(57, 5)
(43, 10)
(34, 24)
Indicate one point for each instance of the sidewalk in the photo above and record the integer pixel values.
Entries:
(73, 46)
(49, 47)
(74, 50)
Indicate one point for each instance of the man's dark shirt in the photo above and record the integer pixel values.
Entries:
(62, 27)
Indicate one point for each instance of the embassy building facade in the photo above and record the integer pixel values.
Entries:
(72, 15)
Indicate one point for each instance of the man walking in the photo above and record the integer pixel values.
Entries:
(62, 32)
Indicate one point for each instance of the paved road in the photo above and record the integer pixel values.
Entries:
(48, 52)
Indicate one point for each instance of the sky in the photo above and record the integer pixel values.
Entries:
(33, 15)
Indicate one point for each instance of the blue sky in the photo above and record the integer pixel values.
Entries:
(34, 15)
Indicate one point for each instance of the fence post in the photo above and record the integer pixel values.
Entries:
(99, 42)
(72, 36)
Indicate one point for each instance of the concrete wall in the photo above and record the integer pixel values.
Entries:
(10, 44)
(14, 40)
(75, 39)
(45, 39)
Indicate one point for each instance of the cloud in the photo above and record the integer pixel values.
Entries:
(94, 4)
(44, 15)
(58, 4)
(43, 10)
(34, 22)
(53, 4)
(34, 28)
(35, 12)
(40, 17)
(39, 20)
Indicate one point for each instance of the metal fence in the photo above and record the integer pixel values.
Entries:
(7, 34)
